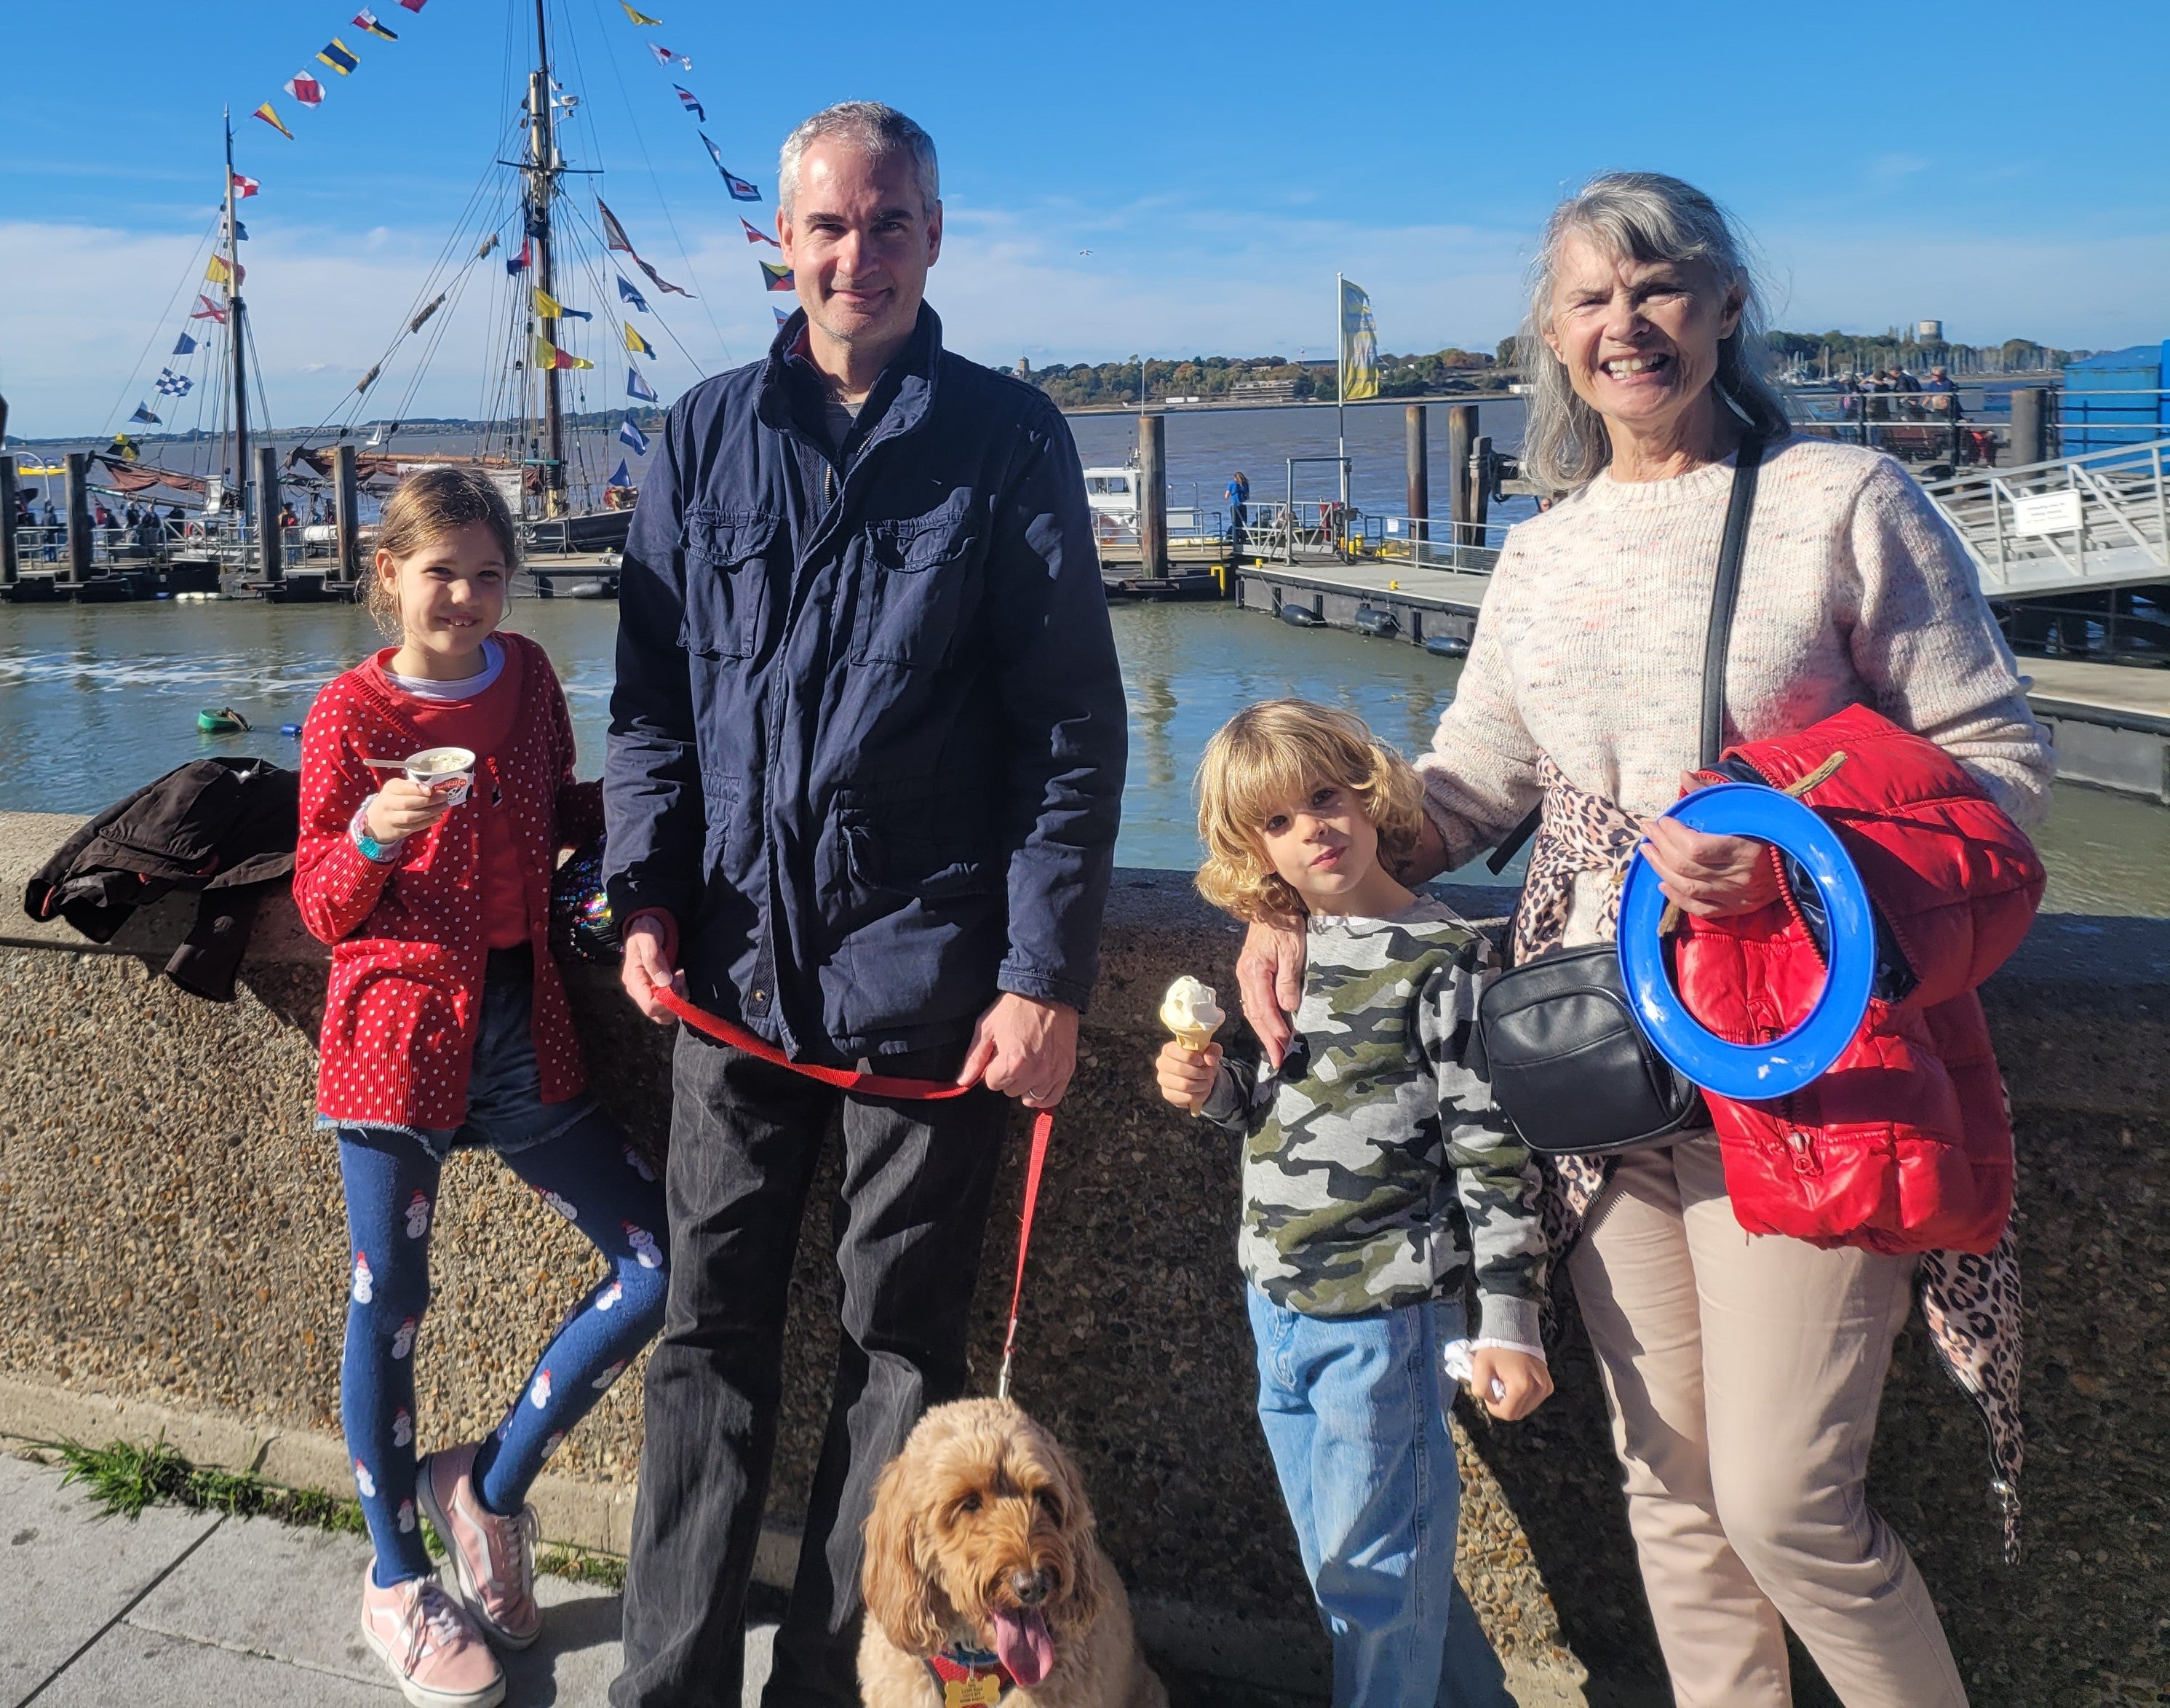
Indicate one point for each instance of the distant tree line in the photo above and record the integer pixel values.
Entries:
(1267, 378)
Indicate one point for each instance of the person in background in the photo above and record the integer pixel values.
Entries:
(49, 520)
(1239, 495)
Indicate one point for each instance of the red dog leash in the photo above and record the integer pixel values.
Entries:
(904, 1090)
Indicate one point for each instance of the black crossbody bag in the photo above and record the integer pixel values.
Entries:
(1570, 1065)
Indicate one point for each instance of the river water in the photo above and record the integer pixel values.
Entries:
(95, 701)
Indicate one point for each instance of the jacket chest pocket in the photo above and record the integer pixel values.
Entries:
(914, 585)
(726, 563)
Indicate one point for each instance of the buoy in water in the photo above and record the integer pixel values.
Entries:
(225, 721)
(1301, 616)
(289, 729)
(1446, 646)
(1376, 622)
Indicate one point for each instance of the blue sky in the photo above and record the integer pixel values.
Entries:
(1988, 163)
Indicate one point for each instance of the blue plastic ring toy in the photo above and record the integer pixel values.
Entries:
(1753, 1073)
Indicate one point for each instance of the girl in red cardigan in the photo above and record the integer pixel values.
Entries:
(446, 1026)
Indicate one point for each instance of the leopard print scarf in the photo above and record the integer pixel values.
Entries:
(1970, 1303)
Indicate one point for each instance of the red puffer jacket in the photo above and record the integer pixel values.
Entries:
(1905, 1143)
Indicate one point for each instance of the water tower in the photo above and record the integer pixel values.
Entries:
(1929, 332)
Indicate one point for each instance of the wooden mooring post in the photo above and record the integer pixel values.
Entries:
(1152, 495)
(271, 556)
(2031, 428)
(1460, 442)
(1417, 454)
(346, 513)
(9, 563)
(77, 478)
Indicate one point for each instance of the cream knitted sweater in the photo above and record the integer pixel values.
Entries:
(1852, 589)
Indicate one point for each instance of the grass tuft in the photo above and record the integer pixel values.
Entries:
(125, 1478)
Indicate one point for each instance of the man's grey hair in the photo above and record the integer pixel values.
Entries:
(870, 125)
(1644, 216)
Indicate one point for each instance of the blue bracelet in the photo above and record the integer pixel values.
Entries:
(1753, 1073)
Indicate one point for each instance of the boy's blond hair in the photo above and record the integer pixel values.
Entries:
(1271, 754)
(426, 507)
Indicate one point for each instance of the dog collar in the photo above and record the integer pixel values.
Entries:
(969, 1678)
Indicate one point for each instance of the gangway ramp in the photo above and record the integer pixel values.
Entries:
(2071, 524)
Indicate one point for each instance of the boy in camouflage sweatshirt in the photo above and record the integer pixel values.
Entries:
(1375, 1139)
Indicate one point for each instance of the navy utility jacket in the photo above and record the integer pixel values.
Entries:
(867, 738)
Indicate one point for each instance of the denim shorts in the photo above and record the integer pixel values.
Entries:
(505, 1110)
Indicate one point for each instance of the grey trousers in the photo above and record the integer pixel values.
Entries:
(909, 1221)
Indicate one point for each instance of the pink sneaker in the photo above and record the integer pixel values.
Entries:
(493, 1559)
(435, 1653)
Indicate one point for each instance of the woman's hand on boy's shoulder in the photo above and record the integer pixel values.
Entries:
(1269, 974)
(1187, 1076)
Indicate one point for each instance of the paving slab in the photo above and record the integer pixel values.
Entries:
(132, 1665)
(66, 1570)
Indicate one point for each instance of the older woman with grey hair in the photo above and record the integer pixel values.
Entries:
(1743, 1374)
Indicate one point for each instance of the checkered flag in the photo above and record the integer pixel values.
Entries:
(174, 385)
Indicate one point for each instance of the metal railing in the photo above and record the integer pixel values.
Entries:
(2099, 520)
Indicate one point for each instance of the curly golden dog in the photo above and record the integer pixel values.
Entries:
(984, 1584)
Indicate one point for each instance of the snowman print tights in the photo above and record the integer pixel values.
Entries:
(587, 1174)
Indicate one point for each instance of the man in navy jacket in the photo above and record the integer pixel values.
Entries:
(865, 769)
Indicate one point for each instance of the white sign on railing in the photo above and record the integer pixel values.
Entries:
(2046, 512)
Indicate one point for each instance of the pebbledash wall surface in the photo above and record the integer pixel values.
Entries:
(172, 1259)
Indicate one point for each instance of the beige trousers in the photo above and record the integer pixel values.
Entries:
(1743, 1375)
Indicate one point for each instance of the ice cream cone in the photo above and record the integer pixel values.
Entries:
(1192, 1017)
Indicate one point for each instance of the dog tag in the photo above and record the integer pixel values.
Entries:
(979, 1690)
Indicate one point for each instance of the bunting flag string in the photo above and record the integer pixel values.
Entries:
(186, 346)
(782, 315)
(664, 57)
(217, 271)
(636, 386)
(548, 307)
(243, 188)
(306, 89)
(517, 264)
(271, 118)
(625, 293)
(754, 235)
(547, 355)
(338, 57)
(174, 385)
(635, 344)
(739, 188)
(614, 238)
(208, 310)
(143, 414)
(621, 477)
(692, 103)
(631, 436)
(641, 18)
(367, 19)
(777, 276)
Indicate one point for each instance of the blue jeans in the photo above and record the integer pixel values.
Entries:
(1355, 1413)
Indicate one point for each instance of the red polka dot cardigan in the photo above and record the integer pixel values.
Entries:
(408, 953)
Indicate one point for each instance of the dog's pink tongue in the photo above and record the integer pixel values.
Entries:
(1022, 1642)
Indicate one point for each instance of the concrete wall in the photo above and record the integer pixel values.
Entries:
(171, 1256)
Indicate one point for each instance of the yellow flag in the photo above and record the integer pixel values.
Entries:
(638, 17)
(546, 306)
(547, 355)
(218, 272)
(271, 118)
(1359, 345)
(635, 343)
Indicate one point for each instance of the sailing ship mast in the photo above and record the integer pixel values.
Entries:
(235, 343)
(542, 168)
